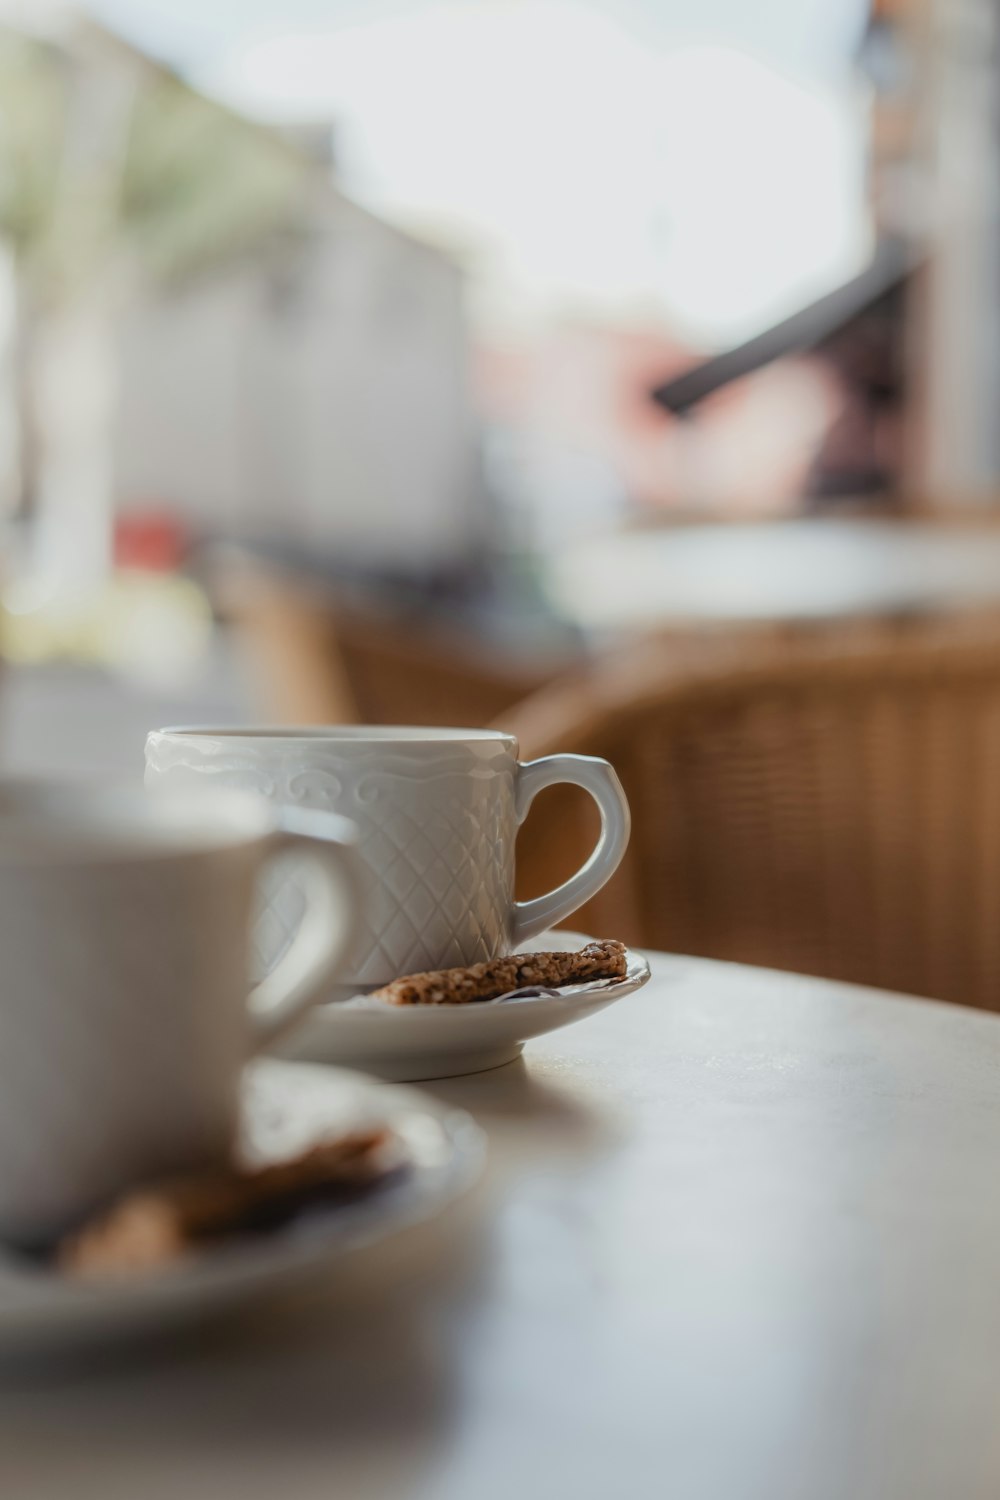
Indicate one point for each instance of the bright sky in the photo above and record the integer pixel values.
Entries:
(701, 160)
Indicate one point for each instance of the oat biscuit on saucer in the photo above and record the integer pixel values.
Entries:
(488, 981)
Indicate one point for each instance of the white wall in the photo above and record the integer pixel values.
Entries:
(320, 397)
(182, 417)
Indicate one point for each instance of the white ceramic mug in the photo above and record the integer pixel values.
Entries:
(124, 1012)
(437, 812)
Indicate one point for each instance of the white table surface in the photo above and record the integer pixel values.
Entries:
(739, 1237)
(777, 571)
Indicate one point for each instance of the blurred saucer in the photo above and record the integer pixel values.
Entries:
(409, 1043)
(287, 1107)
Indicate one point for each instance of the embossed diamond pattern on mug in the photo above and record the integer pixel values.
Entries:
(440, 888)
(436, 834)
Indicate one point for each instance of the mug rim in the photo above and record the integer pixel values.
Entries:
(52, 821)
(346, 734)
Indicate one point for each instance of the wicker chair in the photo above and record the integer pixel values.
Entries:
(831, 808)
(318, 658)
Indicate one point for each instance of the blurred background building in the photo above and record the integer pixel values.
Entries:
(274, 222)
(428, 308)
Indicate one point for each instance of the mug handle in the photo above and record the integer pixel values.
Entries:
(331, 872)
(598, 778)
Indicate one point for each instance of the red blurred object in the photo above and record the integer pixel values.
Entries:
(153, 540)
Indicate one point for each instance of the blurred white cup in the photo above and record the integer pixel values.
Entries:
(126, 1013)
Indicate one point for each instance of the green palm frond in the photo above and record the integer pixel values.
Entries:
(32, 128)
(196, 185)
(202, 185)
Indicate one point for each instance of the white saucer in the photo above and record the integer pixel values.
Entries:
(287, 1106)
(407, 1044)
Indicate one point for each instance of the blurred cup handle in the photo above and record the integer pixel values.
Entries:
(330, 872)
